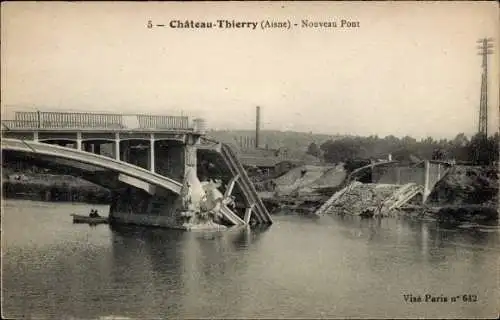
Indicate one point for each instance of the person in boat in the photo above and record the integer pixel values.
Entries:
(93, 213)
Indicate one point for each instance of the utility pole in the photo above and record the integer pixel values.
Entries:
(485, 48)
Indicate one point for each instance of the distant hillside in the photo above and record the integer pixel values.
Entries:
(293, 141)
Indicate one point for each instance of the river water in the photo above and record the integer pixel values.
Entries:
(298, 268)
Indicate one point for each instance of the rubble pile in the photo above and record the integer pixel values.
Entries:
(200, 204)
(359, 197)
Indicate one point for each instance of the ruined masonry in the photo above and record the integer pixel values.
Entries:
(379, 199)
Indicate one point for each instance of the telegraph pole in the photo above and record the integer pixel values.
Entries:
(485, 48)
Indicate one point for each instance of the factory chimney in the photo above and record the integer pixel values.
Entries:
(257, 127)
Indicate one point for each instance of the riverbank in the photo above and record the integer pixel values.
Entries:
(465, 185)
(52, 187)
(467, 193)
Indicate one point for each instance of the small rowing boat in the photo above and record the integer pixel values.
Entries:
(90, 220)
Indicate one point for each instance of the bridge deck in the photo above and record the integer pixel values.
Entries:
(92, 159)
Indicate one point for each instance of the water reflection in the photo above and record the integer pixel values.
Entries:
(147, 261)
(181, 272)
(299, 268)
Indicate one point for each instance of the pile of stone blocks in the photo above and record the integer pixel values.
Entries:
(360, 197)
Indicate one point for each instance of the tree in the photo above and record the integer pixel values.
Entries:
(314, 150)
(459, 147)
(460, 140)
(493, 142)
(480, 150)
(402, 154)
(408, 141)
(340, 150)
(438, 154)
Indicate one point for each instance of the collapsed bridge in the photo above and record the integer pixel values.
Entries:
(146, 164)
(391, 187)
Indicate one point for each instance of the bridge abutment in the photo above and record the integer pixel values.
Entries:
(135, 206)
(194, 208)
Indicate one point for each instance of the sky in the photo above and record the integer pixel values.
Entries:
(410, 68)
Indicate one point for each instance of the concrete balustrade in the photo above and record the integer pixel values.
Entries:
(92, 121)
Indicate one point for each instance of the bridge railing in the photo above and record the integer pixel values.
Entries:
(163, 122)
(19, 124)
(81, 120)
